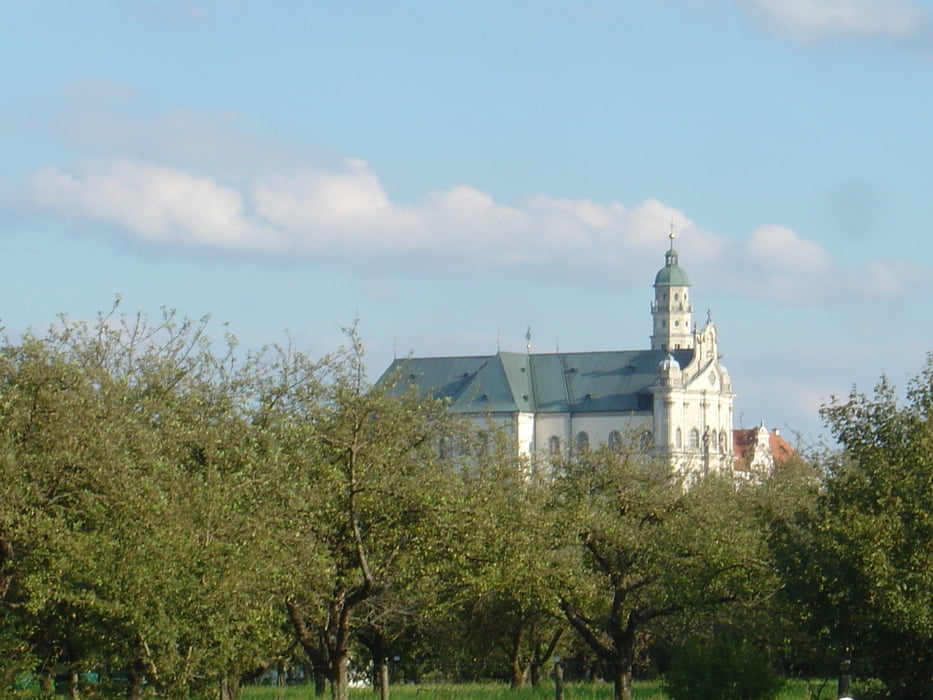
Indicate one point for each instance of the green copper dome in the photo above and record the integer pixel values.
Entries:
(671, 275)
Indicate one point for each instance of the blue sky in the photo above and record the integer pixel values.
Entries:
(452, 173)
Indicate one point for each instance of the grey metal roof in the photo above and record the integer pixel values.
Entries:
(582, 382)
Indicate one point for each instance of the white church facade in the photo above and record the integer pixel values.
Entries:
(675, 398)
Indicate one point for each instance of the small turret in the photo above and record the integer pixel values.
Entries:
(669, 372)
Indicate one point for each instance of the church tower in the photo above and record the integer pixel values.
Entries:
(671, 312)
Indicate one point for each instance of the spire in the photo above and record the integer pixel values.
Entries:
(670, 257)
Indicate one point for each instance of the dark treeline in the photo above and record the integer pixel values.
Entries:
(181, 517)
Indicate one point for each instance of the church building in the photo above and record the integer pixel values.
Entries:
(674, 398)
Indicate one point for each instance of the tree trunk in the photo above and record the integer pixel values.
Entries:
(541, 657)
(383, 671)
(558, 681)
(73, 690)
(46, 682)
(6, 566)
(842, 688)
(623, 663)
(380, 670)
(320, 681)
(314, 646)
(134, 680)
(622, 684)
(229, 689)
(534, 674)
(376, 642)
(518, 669)
(340, 683)
(519, 674)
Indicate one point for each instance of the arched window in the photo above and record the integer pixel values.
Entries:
(615, 440)
(679, 439)
(722, 441)
(553, 445)
(694, 439)
(583, 442)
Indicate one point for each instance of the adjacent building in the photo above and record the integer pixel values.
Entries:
(758, 452)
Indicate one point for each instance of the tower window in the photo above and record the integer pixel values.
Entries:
(694, 439)
(553, 445)
(679, 439)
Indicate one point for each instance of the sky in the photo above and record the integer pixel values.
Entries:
(452, 174)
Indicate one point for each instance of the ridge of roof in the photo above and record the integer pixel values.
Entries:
(559, 382)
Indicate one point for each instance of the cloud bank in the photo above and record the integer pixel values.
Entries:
(845, 18)
(343, 215)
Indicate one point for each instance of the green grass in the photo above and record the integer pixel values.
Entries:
(794, 690)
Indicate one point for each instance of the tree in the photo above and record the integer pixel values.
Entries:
(861, 560)
(648, 549)
(365, 484)
(508, 578)
(134, 541)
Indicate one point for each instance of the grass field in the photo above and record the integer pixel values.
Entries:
(794, 690)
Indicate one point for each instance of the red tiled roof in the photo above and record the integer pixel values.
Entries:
(780, 448)
(743, 447)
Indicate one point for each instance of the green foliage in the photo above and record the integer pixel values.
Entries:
(508, 568)
(651, 550)
(177, 511)
(368, 495)
(861, 561)
(129, 541)
(724, 668)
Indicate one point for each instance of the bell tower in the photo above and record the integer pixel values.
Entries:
(671, 312)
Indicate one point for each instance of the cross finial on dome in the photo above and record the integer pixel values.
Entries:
(673, 234)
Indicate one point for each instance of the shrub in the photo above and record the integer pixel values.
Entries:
(724, 668)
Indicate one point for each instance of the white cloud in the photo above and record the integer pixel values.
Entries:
(154, 203)
(316, 199)
(888, 279)
(779, 249)
(343, 214)
(776, 263)
(860, 18)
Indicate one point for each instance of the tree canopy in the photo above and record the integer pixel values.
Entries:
(183, 515)
(861, 560)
